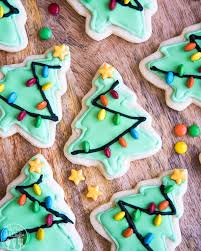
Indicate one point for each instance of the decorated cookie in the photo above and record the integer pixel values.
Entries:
(129, 19)
(13, 17)
(34, 215)
(30, 96)
(111, 129)
(175, 67)
(146, 218)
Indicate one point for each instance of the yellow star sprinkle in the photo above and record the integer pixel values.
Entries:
(106, 71)
(60, 51)
(93, 192)
(178, 176)
(35, 166)
(76, 176)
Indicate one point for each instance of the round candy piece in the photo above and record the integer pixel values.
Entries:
(54, 9)
(181, 147)
(194, 130)
(180, 130)
(45, 33)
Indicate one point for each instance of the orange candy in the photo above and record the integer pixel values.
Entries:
(163, 205)
(42, 105)
(180, 130)
(190, 46)
(123, 142)
(128, 232)
(190, 82)
(22, 200)
(104, 100)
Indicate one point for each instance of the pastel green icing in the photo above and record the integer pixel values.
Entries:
(57, 236)
(28, 97)
(173, 56)
(146, 195)
(98, 133)
(126, 18)
(10, 34)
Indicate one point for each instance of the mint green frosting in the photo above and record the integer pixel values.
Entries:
(10, 33)
(126, 18)
(99, 133)
(173, 56)
(146, 195)
(28, 97)
(57, 237)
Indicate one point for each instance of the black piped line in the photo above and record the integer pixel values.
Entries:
(154, 68)
(94, 102)
(12, 11)
(52, 116)
(131, 223)
(64, 218)
(138, 5)
(193, 39)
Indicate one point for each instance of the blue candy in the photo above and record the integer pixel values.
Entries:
(134, 133)
(148, 238)
(4, 234)
(169, 78)
(48, 202)
(45, 71)
(12, 97)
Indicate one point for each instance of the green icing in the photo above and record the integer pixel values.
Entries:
(28, 97)
(173, 56)
(10, 33)
(57, 237)
(99, 133)
(146, 195)
(126, 18)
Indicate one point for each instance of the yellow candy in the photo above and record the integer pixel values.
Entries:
(47, 86)
(158, 220)
(126, 1)
(40, 234)
(37, 189)
(1, 11)
(2, 87)
(196, 56)
(119, 216)
(102, 114)
(181, 147)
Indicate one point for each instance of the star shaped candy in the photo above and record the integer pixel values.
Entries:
(76, 176)
(178, 176)
(93, 192)
(35, 165)
(60, 51)
(106, 71)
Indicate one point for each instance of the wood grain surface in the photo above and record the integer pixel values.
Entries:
(87, 56)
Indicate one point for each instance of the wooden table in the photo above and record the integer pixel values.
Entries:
(171, 18)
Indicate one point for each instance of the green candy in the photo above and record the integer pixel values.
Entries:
(86, 146)
(45, 33)
(137, 215)
(116, 119)
(180, 70)
(36, 207)
(169, 189)
(38, 121)
(194, 130)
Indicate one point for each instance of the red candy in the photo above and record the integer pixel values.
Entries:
(49, 219)
(31, 82)
(21, 115)
(54, 9)
(152, 207)
(107, 152)
(114, 94)
(112, 4)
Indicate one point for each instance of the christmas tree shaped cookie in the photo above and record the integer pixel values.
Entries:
(175, 67)
(111, 129)
(13, 17)
(144, 219)
(34, 215)
(30, 96)
(129, 19)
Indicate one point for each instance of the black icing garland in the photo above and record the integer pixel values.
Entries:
(64, 218)
(138, 5)
(94, 103)
(192, 39)
(12, 10)
(52, 116)
(131, 224)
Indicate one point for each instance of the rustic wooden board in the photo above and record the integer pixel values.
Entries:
(171, 18)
